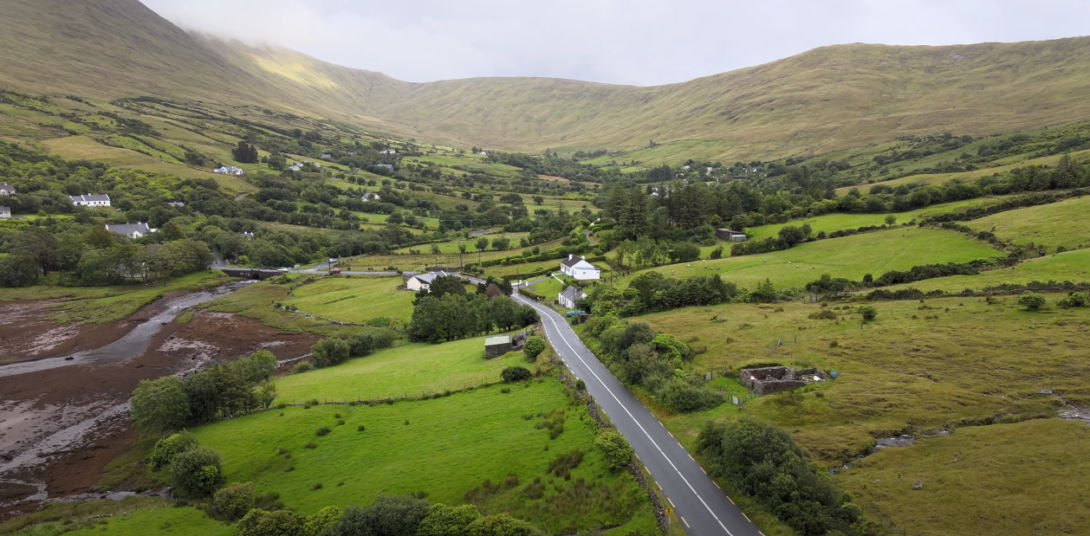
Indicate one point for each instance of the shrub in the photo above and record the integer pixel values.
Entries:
(443, 520)
(615, 449)
(301, 367)
(580, 385)
(159, 405)
(320, 523)
(322, 431)
(387, 516)
(279, 523)
(1075, 299)
(169, 447)
(516, 374)
(823, 314)
(329, 352)
(234, 501)
(309, 445)
(1031, 301)
(316, 486)
(360, 428)
(500, 525)
(197, 471)
(533, 347)
(340, 422)
(869, 313)
(683, 397)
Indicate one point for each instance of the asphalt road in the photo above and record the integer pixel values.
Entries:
(702, 507)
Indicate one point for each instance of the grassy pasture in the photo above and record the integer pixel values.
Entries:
(410, 369)
(851, 257)
(355, 299)
(1058, 224)
(1067, 266)
(445, 447)
(838, 221)
(164, 520)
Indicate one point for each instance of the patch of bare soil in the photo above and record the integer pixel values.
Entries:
(62, 426)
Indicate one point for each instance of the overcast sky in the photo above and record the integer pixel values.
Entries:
(639, 42)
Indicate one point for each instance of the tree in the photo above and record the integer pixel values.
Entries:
(516, 374)
(442, 286)
(197, 471)
(501, 243)
(18, 271)
(194, 158)
(615, 449)
(328, 352)
(684, 252)
(387, 516)
(234, 501)
(38, 244)
(1031, 301)
(791, 235)
(891, 219)
(482, 244)
(245, 153)
(445, 520)
(159, 405)
(319, 524)
(538, 200)
(501, 525)
(533, 347)
(168, 447)
(869, 313)
(279, 523)
(172, 231)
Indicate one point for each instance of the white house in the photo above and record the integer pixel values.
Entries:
(90, 200)
(570, 296)
(580, 269)
(247, 235)
(175, 204)
(370, 196)
(326, 156)
(389, 151)
(229, 170)
(7, 189)
(423, 281)
(5, 213)
(296, 166)
(131, 230)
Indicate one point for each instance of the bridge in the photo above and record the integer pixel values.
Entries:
(257, 274)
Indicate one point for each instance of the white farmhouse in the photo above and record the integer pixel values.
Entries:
(579, 269)
(229, 170)
(423, 281)
(131, 230)
(90, 200)
(7, 189)
(370, 196)
(5, 213)
(570, 296)
(389, 151)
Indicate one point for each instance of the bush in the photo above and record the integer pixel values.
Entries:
(234, 501)
(443, 520)
(823, 314)
(387, 516)
(683, 397)
(329, 352)
(320, 523)
(1075, 299)
(869, 313)
(169, 447)
(322, 431)
(301, 367)
(1031, 301)
(159, 405)
(615, 449)
(279, 523)
(533, 347)
(500, 525)
(516, 374)
(197, 471)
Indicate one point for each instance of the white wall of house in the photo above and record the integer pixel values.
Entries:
(415, 284)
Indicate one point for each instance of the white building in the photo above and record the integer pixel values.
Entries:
(229, 170)
(570, 296)
(131, 230)
(579, 269)
(370, 196)
(90, 200)
(5, 213)
(7, 189)
(389, 151)
(176, 204)
(247, 235)
(423, 281)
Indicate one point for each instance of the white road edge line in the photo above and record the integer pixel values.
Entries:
(633, 417)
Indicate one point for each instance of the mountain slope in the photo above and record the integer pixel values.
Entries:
(826, 99)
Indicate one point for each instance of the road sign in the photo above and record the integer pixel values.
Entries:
(669, 511)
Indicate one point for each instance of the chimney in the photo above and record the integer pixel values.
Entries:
(570, 256)
(584, 257)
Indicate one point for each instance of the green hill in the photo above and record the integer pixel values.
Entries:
(823, 100)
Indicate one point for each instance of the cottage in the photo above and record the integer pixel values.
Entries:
(5, 213)
(247, 235)
(370, 196)
(579, 269)
(570, 295)
(423, 281)
(90, 200)
(326, 156)
(131, 230)
(389, 167)
(7, 189)
(730, 236)
(389, 151)
(176, 204)
(296, 166)
(497, 346)
(229, 170)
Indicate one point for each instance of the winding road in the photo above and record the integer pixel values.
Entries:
(703, 508)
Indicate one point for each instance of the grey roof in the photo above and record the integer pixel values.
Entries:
(573, 293)
(499, 339)
(89, 198)
(572, 260)
(5, 209)
(7, 188)
(431, 276)
(129, 228)
(729, 231)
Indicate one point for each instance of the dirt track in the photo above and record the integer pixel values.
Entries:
(41, 408)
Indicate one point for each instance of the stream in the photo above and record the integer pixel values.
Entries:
(134, 343)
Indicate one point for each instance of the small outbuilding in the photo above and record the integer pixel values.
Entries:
(497, 346)
(765, 380)
(7, 189)
(730, 236)
(5, 213)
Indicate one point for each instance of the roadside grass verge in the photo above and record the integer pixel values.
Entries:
(355, 299)
(412, 369)
(838, 221)
(477, 447)
(102, 305)
(1017, 479)
(850, 257)
(1054, 225)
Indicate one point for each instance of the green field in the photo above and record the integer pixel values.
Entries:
(444, 447)
(1063, 224)
(410, 370)
(356, 299)
(1067, 266)
(850, 257)
(840, 221)
(167, 520)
